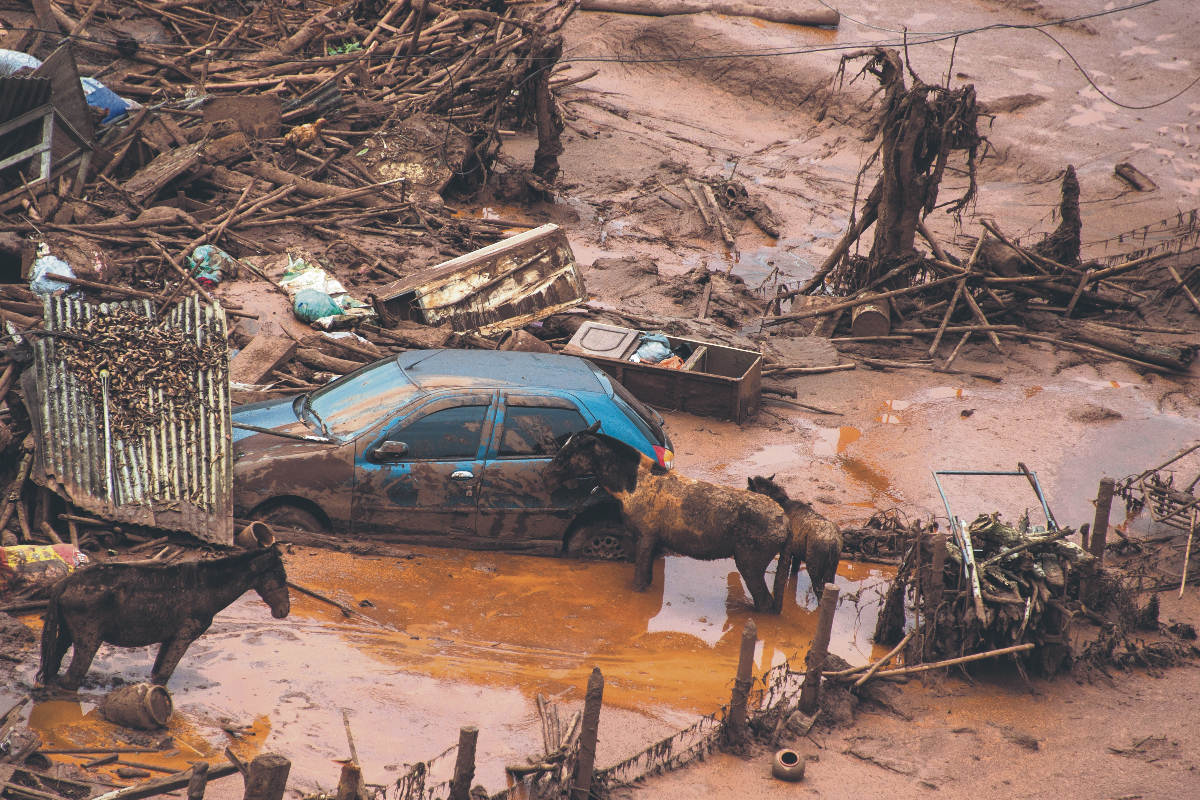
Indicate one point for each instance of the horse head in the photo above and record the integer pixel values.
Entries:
(767, 486)
(271, 584)
(576, 458)
(612, 462)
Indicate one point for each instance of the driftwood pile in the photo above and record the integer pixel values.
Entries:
(1002, 290)
(364, 92)
(990, 586)
(993, 589)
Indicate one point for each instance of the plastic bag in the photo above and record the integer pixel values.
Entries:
(653, 349)
(13, 60)
(310, 305)
(37, 567)
(301, 276)
(40, 282)
(100, 96)
(210, 265)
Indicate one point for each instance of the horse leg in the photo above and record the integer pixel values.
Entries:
(643, 568)
(753, 569)
(62, 644)
(87, 643)
(172, 650)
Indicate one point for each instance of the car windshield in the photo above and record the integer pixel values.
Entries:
(351, 405)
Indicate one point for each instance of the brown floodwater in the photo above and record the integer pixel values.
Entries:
(457, 638)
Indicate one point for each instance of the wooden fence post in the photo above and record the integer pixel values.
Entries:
(810, 693)
(464, 766)
(199, 781)
(1100, 526)
(741, 684)
(937, 581)
(587, 737)
(267, 777)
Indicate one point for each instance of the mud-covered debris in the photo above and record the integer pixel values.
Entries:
(138, 355)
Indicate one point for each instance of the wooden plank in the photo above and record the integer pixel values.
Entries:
(264, 353)
(162, 170)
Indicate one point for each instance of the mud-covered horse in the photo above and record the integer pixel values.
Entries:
(815, 540)
(135, 605)
(701, 520)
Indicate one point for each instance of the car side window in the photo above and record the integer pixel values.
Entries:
(452, 433)
(537, 431)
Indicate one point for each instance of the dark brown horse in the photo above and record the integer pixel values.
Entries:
(135, 605)
(815, 540)
(701, 520)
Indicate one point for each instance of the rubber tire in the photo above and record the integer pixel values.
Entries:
(788, 765)
(288, 516)
(601, 541)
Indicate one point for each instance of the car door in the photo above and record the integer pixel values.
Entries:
(514, 503)
(417, 478)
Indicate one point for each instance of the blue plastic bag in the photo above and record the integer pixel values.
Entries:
(311, 305)
(653, 349)
(101, 96)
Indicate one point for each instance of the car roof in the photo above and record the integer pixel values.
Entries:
(437, 369)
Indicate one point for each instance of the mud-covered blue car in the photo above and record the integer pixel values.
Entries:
(445, 448)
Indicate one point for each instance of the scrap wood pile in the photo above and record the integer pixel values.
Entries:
(998, 289)
(1016, 592)
(352, 117)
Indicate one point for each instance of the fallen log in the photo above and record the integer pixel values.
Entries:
(1172, 356)
(323, 363)
(307, 187)
(1088, 349)
(165, 784)
(1020, 648)
(671, 8)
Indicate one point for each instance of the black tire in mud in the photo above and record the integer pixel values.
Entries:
(602, 540)
(287, 516)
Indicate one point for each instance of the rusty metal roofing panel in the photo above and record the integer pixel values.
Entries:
(504, 285)
(178, 473)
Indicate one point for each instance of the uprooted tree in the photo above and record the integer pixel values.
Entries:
(918, 127)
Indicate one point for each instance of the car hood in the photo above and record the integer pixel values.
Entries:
(271, 414)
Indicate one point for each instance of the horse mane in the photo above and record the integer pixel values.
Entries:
(768, 487)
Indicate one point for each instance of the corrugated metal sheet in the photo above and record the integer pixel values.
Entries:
(505, 285)
(178, 474)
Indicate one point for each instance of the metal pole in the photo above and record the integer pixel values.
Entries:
(741, 684)
(810, 693)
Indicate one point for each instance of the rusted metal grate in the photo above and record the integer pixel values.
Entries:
(177, 473)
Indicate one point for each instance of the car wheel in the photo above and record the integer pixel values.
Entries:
(289, 516)
(601, 541)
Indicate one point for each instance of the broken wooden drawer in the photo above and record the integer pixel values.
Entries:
(504, 286)
(714, 380)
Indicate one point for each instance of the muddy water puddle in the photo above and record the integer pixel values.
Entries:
(463, 638)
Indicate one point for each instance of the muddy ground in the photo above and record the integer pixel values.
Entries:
(487, 643)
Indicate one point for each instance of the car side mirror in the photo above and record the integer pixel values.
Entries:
(390, 452)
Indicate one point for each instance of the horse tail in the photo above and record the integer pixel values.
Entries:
(51, 630)
(782, 571)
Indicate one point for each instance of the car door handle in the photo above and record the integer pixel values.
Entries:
(461, 475)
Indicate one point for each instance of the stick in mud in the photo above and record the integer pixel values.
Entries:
(464, 766)
(587, 739)
(741, 683)
(810, 692)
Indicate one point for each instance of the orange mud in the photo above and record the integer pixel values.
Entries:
(459, 638)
